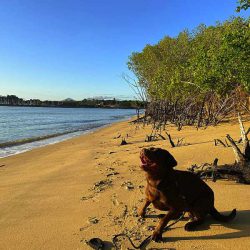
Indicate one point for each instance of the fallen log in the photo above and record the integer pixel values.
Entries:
(239, 171)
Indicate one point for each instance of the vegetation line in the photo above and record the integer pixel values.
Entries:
(197, 78)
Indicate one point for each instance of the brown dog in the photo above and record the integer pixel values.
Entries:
(176, 191)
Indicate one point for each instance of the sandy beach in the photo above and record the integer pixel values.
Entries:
(59, 196)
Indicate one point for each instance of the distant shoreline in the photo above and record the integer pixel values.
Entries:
(49, 106)
(12, 100)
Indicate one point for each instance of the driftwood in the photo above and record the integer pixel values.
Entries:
(213, 172)
(152, 136)
(123, 142)
(162, 137)
(170, 140)
(218, 141)
(240, 140)
(239, 171)
(172, 143)
(118, 136)
(179, 142)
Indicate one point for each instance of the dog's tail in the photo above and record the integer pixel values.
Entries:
(223, 218)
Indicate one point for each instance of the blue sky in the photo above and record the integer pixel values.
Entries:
(55, 49)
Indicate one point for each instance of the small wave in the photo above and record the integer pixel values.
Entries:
(13, 150)
(44, 137)
(119, 116)
(32, 139)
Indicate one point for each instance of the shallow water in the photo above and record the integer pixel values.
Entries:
(24, 128)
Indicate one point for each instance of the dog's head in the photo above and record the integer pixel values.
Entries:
(156, 160)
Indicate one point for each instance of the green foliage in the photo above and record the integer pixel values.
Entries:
(214, 58)
(221, 58)
(243, 5)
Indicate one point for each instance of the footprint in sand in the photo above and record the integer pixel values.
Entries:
(111, 172)
(85, 198)
(98, 187)
(102, 185)
(128, 185)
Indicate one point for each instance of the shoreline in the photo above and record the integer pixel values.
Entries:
(58, 196)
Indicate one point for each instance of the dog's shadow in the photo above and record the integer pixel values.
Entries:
(241, 223)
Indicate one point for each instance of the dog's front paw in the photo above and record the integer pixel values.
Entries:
(157, 236)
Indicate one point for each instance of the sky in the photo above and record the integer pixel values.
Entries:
(58, 49)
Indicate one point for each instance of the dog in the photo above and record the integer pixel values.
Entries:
(176, 192)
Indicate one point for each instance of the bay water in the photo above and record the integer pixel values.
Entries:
(25, 128)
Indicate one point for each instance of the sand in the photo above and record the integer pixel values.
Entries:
(59, 196)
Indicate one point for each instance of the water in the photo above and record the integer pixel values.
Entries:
(24, 128)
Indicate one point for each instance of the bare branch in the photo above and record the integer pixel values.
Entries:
(243, 135)
(238, 155)
(136, 87)
(170, 140)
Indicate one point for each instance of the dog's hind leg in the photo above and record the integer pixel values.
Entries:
(191, 226)
(198, 213)
(142, 211)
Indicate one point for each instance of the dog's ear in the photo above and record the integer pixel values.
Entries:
(169, 160)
